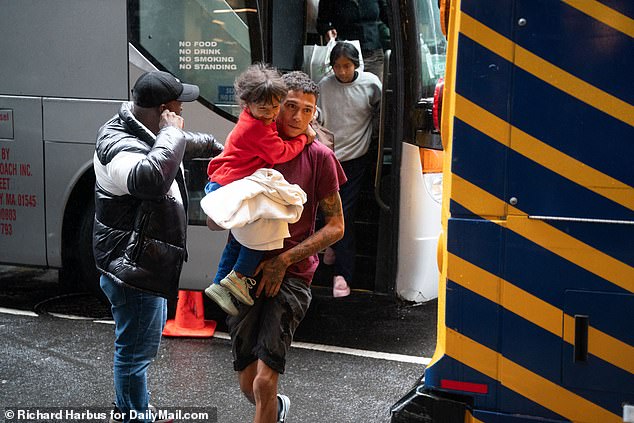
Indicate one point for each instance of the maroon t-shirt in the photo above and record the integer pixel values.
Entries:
(318, 172)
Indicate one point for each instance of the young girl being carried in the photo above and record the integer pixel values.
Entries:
(252, 144)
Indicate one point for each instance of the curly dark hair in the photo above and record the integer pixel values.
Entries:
(299, 81)
(260, 83)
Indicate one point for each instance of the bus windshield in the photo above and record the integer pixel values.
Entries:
(204, 42)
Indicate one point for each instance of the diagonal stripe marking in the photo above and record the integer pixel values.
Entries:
(525, 382)
(548, 237)
(543, 154)
(546, 71)
(603, 13)
(536, 311)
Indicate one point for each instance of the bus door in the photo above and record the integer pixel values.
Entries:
(398, 211)
(402, 199)
(419, 66)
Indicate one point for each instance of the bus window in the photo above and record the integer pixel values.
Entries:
(207, 43)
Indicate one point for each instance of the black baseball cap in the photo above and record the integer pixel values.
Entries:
(156, 87)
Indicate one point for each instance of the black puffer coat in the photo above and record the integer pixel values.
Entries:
(139, 238)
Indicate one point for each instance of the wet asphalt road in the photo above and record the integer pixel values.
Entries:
(49, 361)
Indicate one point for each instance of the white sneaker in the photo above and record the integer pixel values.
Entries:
(239, 287)
(221, 297)
(283, 405)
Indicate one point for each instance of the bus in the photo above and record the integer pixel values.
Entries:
(68, 64)
(536, 295)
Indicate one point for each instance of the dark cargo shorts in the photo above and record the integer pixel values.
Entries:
(265, 330)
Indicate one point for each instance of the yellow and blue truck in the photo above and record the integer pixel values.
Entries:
(536, 303)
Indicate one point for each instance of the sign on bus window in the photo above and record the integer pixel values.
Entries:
(204, 42)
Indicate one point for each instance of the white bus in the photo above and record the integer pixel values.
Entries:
(68, 64)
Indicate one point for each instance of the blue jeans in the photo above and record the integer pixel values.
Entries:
(139, 320)
(235, 255)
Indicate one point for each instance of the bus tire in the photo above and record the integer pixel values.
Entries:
(78, 272)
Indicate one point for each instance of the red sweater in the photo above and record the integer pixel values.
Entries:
(250, 146)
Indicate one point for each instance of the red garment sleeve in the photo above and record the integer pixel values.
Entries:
(273, 149)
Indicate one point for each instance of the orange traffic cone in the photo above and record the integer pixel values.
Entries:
(190, 317)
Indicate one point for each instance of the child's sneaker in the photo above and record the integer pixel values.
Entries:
(283, 405)
(239, 287)
(221, 297)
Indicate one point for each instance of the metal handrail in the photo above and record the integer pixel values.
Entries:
(381, 141)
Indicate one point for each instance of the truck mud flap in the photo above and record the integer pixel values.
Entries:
(420, 405)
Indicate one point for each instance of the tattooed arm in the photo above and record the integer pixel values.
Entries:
(273, 270)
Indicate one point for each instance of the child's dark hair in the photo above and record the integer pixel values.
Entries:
(259, 83)
(346, 50)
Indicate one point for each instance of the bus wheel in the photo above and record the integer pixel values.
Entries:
(78, 271)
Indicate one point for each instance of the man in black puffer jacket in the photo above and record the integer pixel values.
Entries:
(141, 223)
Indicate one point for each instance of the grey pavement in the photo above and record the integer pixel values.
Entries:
(54, 362)
(49, 361)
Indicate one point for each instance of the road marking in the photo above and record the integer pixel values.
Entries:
(17, 312)
(105, 322)
(350, 351)
(69, 316)
(402, 358)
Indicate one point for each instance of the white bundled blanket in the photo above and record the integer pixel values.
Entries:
(257, 208)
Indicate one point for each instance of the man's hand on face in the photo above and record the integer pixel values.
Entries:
(169, 118)
(273, 271)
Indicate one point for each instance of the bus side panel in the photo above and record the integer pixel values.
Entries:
(22, 229)
(64, 48)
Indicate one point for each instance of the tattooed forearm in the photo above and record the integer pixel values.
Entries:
(311, 245)
(331, 232)
(277, 269)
